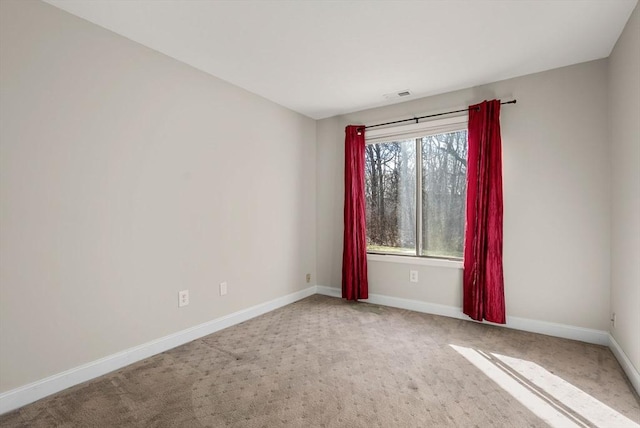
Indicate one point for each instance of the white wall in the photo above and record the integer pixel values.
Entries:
(556, 202)
(624, 114)
(127, 176)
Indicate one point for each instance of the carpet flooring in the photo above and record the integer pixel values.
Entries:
(325, 362)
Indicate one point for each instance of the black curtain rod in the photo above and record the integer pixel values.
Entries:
(424, 117)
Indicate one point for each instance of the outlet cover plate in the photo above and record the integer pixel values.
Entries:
(183, 298)
(413, 275)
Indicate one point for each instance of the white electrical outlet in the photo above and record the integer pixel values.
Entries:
(413, 275)
(183, 298)
(308, 278)
(223, 288)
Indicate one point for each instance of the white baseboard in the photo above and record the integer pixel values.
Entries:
(588, 335)
(26, 394)
(328, 291)
(625, 362)
(29, 393)
(416, 305)
(597, 337)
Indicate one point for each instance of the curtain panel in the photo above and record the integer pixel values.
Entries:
(483, 281)
(354, 255)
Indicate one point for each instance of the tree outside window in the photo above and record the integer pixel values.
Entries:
(428, 173)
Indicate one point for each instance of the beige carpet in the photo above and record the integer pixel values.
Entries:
(324, 362)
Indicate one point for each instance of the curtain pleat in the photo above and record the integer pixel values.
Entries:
(483, 280)
(354, 256)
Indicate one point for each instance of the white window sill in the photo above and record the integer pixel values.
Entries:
(423, 261)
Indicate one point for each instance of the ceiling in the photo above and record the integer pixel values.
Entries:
(324, 58)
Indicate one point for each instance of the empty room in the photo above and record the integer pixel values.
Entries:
(319, 213)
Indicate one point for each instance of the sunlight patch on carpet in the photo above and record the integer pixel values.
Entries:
(552, 399)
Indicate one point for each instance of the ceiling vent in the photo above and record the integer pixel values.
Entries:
(398, 94)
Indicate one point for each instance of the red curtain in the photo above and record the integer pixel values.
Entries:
(354, 255)
(483, 281)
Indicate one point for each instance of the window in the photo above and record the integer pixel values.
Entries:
(415, 189)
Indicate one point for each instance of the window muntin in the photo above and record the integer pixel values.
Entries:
(402, 174)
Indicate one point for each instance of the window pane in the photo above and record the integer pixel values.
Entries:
(390, 188)
(444, 173)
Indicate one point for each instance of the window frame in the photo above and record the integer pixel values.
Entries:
(415, 131)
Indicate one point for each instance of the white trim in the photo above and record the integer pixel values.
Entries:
(26, 394)
(416, 130)
(416, 305)
(412, 260)
(328, 291)
(597, 337)
(565, 331)
(29, 393)
(625, 362)
(588, 335)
